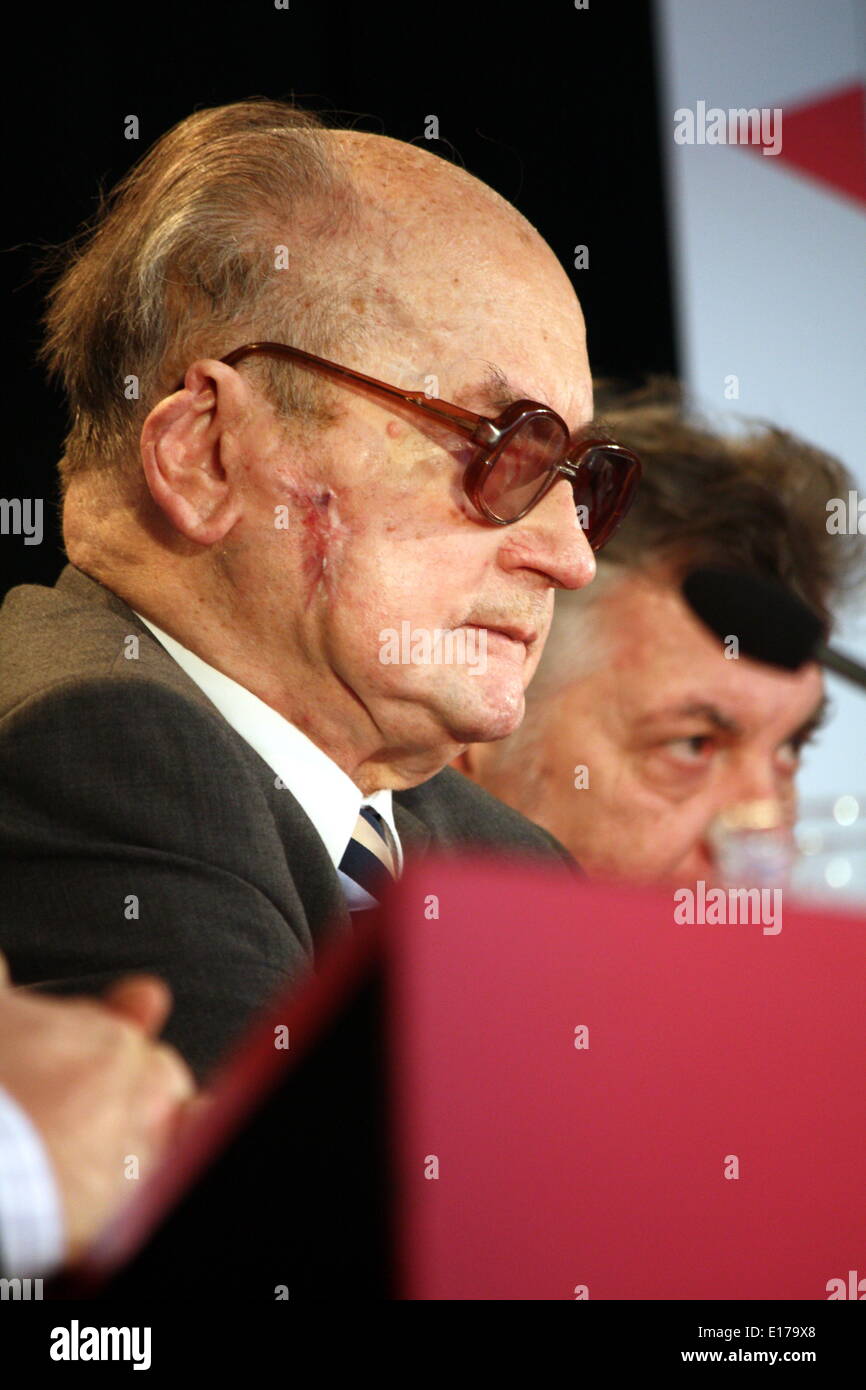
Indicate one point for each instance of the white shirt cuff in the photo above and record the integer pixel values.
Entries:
(31, 1216)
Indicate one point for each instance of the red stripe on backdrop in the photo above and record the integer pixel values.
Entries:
(826, 139)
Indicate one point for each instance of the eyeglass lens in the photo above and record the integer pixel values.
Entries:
(603, 487)
(522, 466)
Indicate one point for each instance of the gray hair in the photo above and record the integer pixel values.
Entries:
(181, 260)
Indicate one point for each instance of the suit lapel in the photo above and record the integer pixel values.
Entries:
(414, 835)
(314, 875)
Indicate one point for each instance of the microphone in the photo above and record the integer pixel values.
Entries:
(770, 623)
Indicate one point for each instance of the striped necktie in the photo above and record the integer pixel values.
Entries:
(370, 860)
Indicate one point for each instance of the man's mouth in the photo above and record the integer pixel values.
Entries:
(513, 632)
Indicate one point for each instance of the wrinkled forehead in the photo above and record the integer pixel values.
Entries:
(666, 661)
(462, 282)
(468, 272)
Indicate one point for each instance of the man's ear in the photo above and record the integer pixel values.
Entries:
(182, 452)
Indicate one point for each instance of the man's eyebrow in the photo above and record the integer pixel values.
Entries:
(812, 723)
(714, 716)
(496, 393)
(697, 710)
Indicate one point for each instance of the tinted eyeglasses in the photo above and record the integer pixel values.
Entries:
(518, 456)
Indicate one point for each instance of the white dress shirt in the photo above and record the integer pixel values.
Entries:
(327, 794)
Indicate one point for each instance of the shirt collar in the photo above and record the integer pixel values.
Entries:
(327, 794)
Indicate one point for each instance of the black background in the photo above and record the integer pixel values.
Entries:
(555, 107)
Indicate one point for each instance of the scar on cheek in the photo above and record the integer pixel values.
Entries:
(316, 516)
(319, 523)
(310, 501)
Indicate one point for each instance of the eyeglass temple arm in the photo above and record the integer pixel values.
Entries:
(467, 422)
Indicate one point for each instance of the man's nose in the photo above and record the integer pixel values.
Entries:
(552, 540)
(754, 778)
(751, 781)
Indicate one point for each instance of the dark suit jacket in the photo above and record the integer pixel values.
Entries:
(138, 831)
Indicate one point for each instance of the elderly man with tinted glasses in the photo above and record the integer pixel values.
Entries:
(324, 385)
